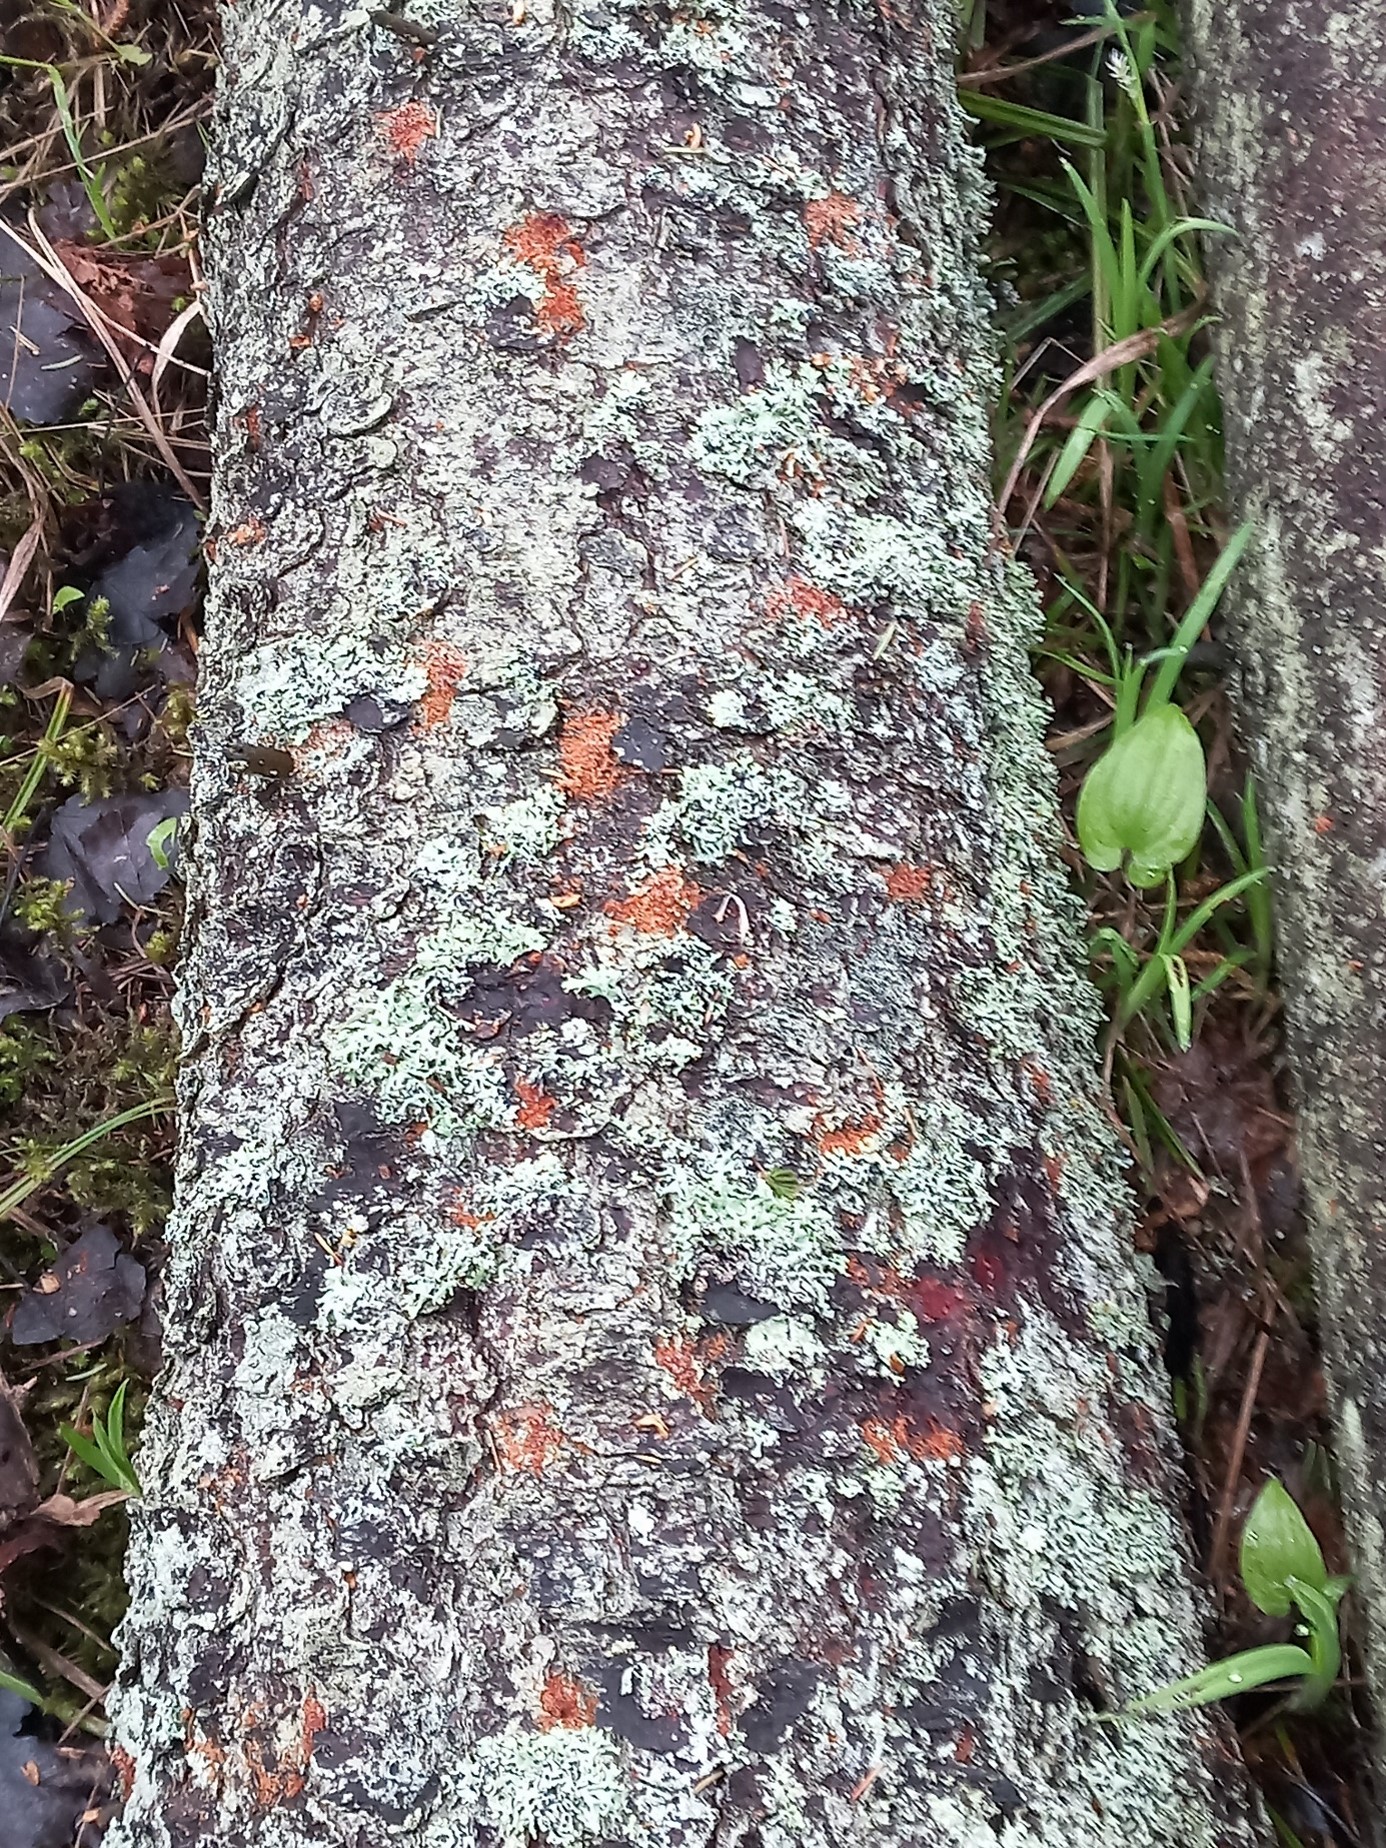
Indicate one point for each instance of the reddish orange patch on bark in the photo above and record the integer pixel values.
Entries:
(1054, 1170)
(932, 1300)
(830, 221)
(565, 1702)
(1040, 1081)
(124, 1770)
(1323, 824)
(890, 1439)
(405, 130)
(797, 597)
(881, 1438)
(544, 242)
(313, 1721)
(906, 883)
(461, 1215)
(590, 770)
(719, 1680)
(848, 1138)
(536, 1106)
(249, 532)
(445, 666)
(660, 907)
(684, 1361)
(527, 1437)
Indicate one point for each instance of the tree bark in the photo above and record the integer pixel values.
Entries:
(1292, 109)
(653, 1349)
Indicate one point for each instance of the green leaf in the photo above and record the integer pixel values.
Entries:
(1278, 1546)
(1239, 1674)
(69, 593)
(1144, 798)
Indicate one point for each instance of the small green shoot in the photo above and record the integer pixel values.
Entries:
(162, 842)
(91, 178)
(1283, 1570)
(104, 1452)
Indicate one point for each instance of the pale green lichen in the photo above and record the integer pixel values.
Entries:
(404, 1050)
(564, 1787)
(786, 1250)
(782, 1347)
(286, 686)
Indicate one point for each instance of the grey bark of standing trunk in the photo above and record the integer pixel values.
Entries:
(1292, 147)
(653, 1350)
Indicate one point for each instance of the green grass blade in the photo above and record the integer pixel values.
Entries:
(1015, 116)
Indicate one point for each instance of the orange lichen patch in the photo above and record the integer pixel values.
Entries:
(830, 221)
(405, 130)
(527, 1438)
(1323, 824)
(565, 1702)
(890, 1439)
(719, 1680)
(124, 1766)
(797, 597)
(314, 1720)
(544, 242)
(536, 1106)
(848, 1138)
(590, 770)
(461, 1215)
(661, 906)
(935, 1442)
(683, 1361)
(1054, 1166)
(445, 665)
(880, 1437)
(906, 883)
(249, 532)
(1040, 1082)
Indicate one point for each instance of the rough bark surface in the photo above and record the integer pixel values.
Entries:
(654, 1353)
(1292, 110)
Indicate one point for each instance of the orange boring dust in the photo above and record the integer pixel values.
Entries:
(796, 596)
(405, 130)
(589, 770)
(544, 242)
(661, 906)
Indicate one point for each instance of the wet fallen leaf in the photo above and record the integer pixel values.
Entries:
(46, 365)
(102, 849)
(90, 1290)
(44, 1788)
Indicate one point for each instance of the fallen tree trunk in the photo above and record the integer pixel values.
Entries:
(1293, 159)
(653, 1349)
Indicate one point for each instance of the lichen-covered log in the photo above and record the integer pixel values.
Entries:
(1292, 109)
(654, 1354)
